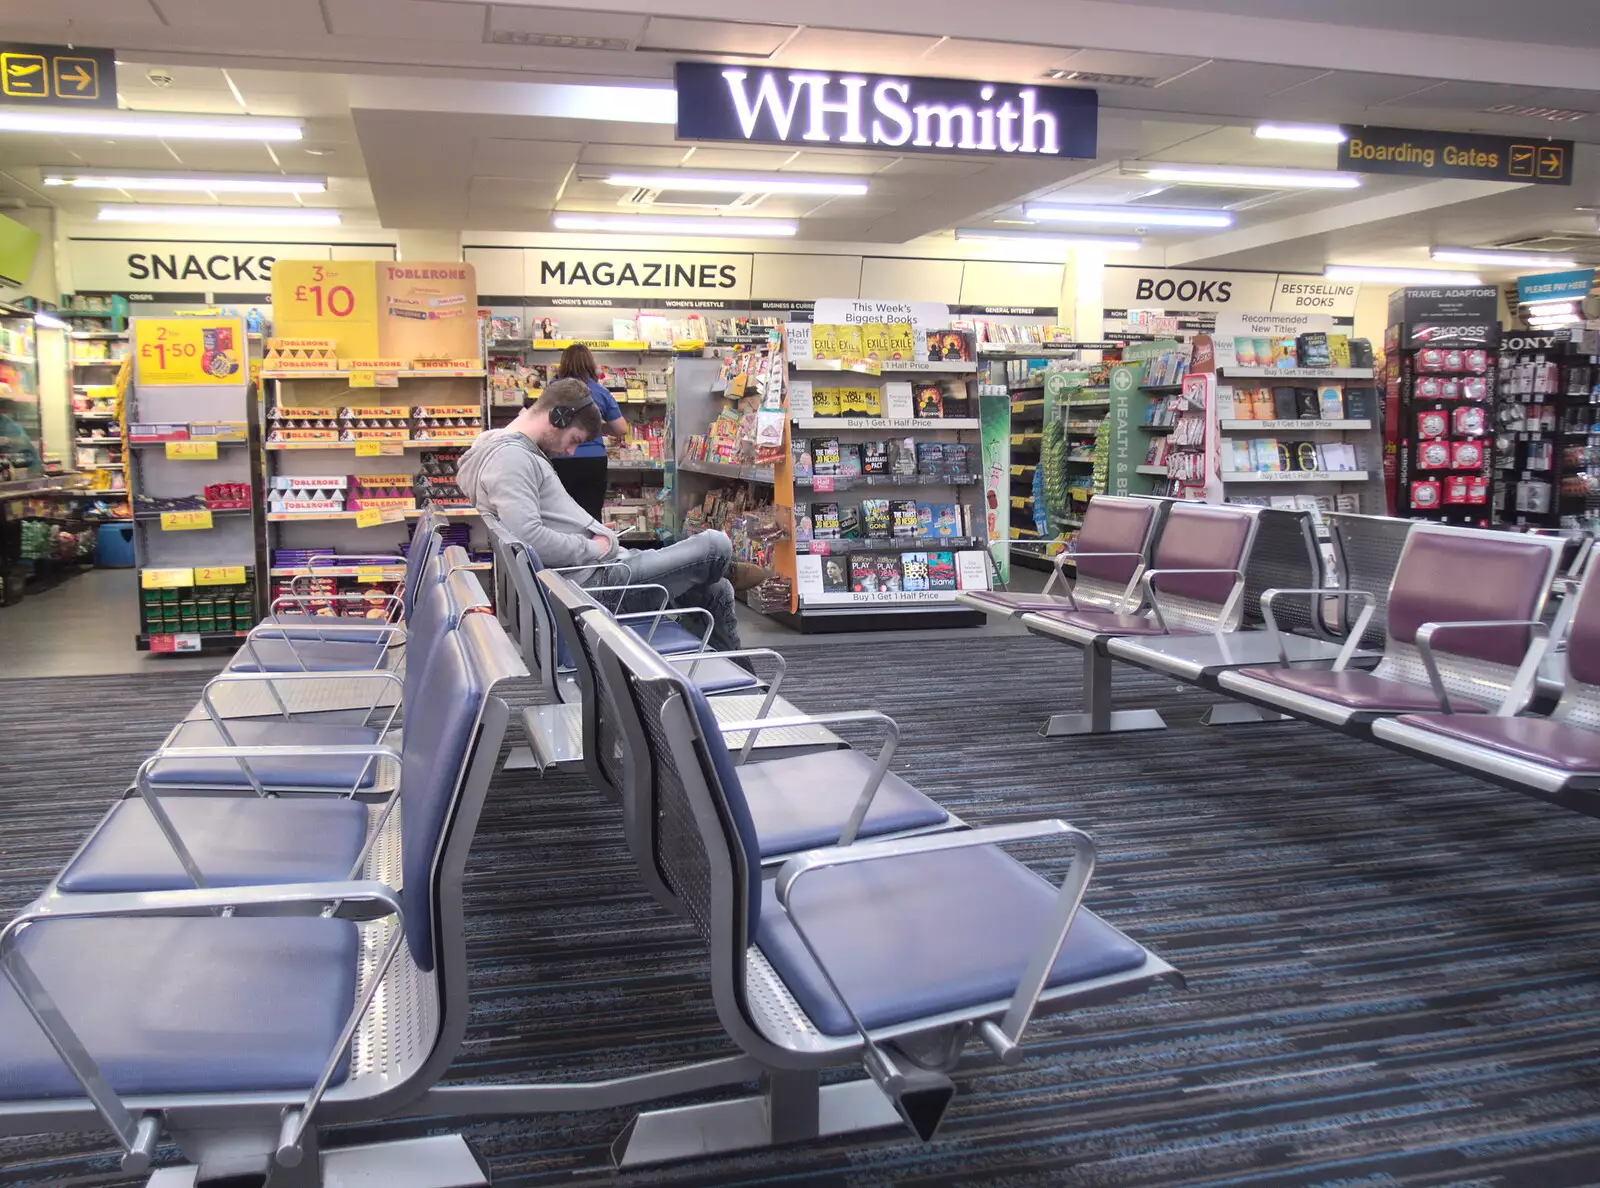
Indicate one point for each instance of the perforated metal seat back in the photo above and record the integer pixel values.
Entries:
(1367, 552)
(601, 734)
(425, 542)
(1113, 524)
(1284, 557)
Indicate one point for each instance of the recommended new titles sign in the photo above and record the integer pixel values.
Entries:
(1419, 153)
(874, 112)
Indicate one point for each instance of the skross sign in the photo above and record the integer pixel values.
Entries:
(873, 112)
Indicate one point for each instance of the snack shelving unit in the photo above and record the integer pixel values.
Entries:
(194, 475)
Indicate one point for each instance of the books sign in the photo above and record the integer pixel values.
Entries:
(878, 113)
(1414, 152)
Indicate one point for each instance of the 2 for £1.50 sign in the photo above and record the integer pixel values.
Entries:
(173, 351)
(335, 299)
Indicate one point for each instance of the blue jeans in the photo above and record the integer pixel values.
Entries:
(695, 573)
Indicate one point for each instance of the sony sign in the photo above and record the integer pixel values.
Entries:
(766, 105)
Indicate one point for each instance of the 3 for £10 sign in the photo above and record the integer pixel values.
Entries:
(335, 299)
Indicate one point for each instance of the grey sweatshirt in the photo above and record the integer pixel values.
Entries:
(507, 476)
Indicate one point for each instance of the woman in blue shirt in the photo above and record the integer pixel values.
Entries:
(584, 473)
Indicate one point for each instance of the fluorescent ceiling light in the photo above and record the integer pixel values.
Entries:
(1228, 175)
(1551, 320)
(1110, 243)
(772, 183)
(48, 321)
(1497, 257)
(1130, 216)
(1400, 276)
(1535, 309)
(148, 125)
(238, 216)
(1304, 133)
(193, 183)
(729, 228)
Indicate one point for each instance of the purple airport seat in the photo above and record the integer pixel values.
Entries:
(1112, 546)
(1464, 635)
(1553, 755)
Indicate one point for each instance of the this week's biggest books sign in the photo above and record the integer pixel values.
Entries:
(379, 309)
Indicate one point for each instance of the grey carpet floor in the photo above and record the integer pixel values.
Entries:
(1394, 971)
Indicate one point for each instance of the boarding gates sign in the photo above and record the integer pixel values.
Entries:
(881, 113)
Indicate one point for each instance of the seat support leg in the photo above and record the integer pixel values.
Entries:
(437, 1161)
(792, 1108)
(1232, 713)
(1098, 717)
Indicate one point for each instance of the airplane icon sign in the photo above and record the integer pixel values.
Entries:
(57, 75)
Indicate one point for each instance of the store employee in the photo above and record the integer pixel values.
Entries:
(583, 474)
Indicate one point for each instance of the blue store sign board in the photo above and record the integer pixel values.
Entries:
(1555, 286)
(877, 112)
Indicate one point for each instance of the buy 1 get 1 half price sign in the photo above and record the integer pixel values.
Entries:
(189, 351)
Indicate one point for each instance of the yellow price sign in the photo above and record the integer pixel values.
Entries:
(370, 575)
(335, 299)
(219, 575)
(173, 351)
(364, 379)
(370, 518)
(368, 449)
(166, 579)
(192, 451)
(184, 521)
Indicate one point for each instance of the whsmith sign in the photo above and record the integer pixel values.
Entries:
(874, 112)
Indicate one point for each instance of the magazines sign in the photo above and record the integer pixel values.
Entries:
(878, 113)
(601, 273)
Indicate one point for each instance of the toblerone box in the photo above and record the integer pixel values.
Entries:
(447, 410)
(374, 364)
(447, 364)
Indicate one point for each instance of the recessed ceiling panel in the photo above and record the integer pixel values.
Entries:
(1160, 67)
(91, 13)
(1348, 88)
(1236, 83)
(713, 37)
(738, 158)
(282, 16)
(416, 20)
(632, 156)
(1001, 61)
(563, 29)
(841, 49)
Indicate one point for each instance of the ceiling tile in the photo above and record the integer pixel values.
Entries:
(713, 37)
(86, 12)
(416, 20)
(632, 155)
(924, 165)
(1001, 61)
(842, 49)
(512, 191)
(280, 16)
(562, 22)
(1157, 66)
(496, 150)
(739, 158)
(1237, 81)
(1349, 87)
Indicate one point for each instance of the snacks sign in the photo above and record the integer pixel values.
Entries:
(197, 351)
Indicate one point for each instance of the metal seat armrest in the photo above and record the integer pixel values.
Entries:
(627, 570)
(1149, 583)
(880, 766)
(138, 1136)
(1352, 639)
(672, 612)
(1005, 1038)
(1521, 684)
(351, 596)
(631, 588)
(692, 659)
(341, 561)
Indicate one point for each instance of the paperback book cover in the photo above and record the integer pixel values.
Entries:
(941, 571)
(889, 577)
(849, 459)
(874, 457)
(948, 346)
(902, 342)
(903, 456)
(859, 402)
(848, 339)
(930, 400)
(930, 458)
(946, 520)
(1284, 404)
(875, 518)
(836, 574)
(863, 575)
(825, 455)
(849, 523)
(824, 341)
(1307, 405)
(903, 517)
(958, 459)
(924, 519)
(800, 451)
(1331, 400)
(824, 521)
(875, 340)
(1359, 403)
(1266, 404)
(915, 567)
(826, 402)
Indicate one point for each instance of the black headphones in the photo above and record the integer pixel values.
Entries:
(562, 415)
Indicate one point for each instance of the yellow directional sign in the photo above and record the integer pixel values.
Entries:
(57, 76)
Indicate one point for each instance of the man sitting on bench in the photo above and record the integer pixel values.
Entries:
(507, 473)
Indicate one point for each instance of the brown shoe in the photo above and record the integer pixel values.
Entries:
(746, 576)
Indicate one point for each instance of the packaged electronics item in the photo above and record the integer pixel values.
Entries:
(849, 523)
(1330, 402)
(903, 517)
(875, 518)
(1433, 455)
(836, 574)
(1425, 494)
(1474, 388)
(914, 567)
(889, 576)
(863, 575)
(1454, 360)
(1431, 359)
(1469, 420)
(1432, 424)
(1475, 361)
(874, 457)
(825, 521)
(1466, 455)
(1428, 387)
(941, 571)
